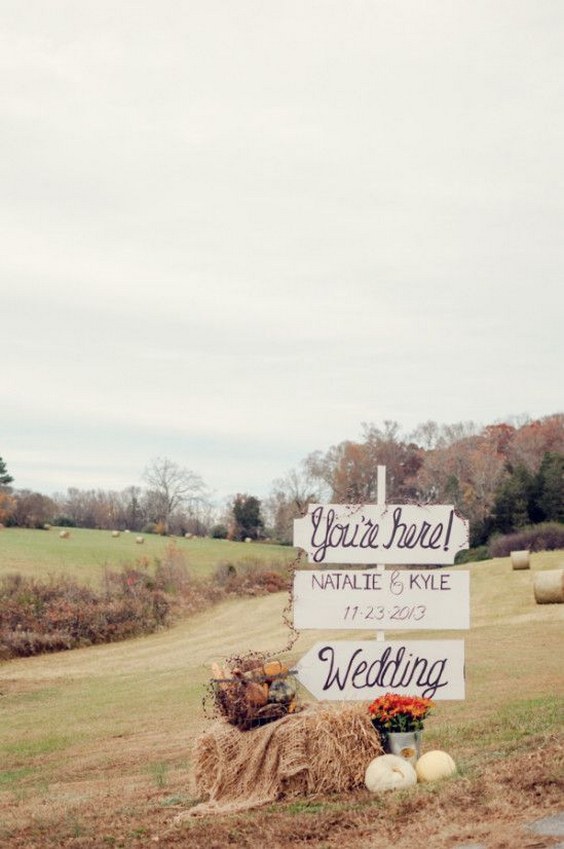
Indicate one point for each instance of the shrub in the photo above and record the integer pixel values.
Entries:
(219, 532)
(63, 522)
(224, 573)
(252, 578)
(59, 614)
(38, 616)
(547, 536)
(472, 555)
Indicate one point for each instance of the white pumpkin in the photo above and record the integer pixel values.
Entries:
(389, 772)
(434, 765)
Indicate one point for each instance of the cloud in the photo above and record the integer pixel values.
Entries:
(237, 231)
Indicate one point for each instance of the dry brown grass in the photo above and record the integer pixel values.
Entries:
(95, 744)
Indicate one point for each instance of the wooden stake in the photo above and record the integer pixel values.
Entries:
(380, 501)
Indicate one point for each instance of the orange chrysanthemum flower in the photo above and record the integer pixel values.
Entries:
(393, 712)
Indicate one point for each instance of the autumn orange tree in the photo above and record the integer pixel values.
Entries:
(499, 477)
(6, 507)
(349, 470)
(533, 440)
(466, 473)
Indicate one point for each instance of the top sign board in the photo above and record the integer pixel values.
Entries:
(387, 533)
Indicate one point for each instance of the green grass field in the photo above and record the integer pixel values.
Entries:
(86, 554)
(95, 744)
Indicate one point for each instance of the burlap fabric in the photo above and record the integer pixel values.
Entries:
(322, 749)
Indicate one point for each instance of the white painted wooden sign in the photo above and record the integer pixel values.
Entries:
(381, 533)
(391, 599)
(362, 671)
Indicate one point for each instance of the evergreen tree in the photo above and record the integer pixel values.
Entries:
(514, 503)
(246, 515)
(550, 488)
(5, 478)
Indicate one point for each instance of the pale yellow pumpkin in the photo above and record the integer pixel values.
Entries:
(434, 765)
(389, 772)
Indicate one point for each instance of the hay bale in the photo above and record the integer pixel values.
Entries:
(115, 534)
(64, 535)
(139, 540)
(548, 586)
(521, 559)
(322, 749)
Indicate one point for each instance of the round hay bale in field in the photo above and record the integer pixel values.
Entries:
(139, 540)
(64, 535)
(521, 559)
(188, 536)
(115, 534)
(548, 586)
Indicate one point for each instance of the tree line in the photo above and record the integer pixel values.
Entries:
(174, 501)
(501, 477)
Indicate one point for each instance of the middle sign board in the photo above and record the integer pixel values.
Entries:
(391, 599)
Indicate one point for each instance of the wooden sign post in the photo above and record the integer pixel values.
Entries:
(377, 598)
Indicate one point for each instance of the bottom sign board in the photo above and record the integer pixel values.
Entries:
(361, 671)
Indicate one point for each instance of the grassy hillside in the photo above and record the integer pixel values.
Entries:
(95, 744)
(86, 554)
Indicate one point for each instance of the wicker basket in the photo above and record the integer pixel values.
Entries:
(251, 699)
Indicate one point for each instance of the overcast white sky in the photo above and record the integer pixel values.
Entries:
(233, 231)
